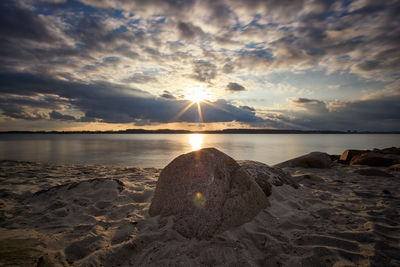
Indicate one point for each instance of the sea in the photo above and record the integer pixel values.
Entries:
(157, 150)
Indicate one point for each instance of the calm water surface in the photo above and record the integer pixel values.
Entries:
(157, 150)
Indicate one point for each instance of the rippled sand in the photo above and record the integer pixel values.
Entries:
(79, 215)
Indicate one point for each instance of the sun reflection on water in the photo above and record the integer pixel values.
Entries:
(196, 141)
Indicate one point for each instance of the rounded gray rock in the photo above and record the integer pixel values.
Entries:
(266, 176)
(207, 192)
(311, 160)
(375, 159)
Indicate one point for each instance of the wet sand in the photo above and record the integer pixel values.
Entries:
(82, 215)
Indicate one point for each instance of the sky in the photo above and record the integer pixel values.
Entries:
(199, 64)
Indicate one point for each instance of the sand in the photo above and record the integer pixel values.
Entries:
(80, 215)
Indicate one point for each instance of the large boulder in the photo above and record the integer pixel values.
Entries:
(311, 160)
(349, 154)
(266, 176)
(375, 159)
(207, 192)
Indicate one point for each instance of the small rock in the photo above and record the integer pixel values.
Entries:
(349, 154)
(311, 160)
(266, 176)
(375, 159)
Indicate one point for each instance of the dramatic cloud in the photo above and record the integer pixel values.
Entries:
(204, 71)
(19, 23)
(337, 62)
(188, 30)
(140, 78)
(166, 94)
(235, 87)
(58, 116)
(111, 103)
(376, 114)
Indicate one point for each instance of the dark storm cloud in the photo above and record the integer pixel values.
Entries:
(235, 87)
(223, 111)
(166, 94)
(19, 23)
(188, 30)
(113, 103)
(375, 114)
(304, 100)
(91, 33)
(248, 108)
(58, 116)
(204, 71)
(386, 60)
(311, 105)
(22, 34)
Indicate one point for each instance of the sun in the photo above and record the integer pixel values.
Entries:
(196, 94)
(197, 97)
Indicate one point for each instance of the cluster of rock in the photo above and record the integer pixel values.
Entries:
(387, 157)
(208, 192)
(376, 157)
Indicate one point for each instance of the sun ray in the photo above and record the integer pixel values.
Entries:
(183, 111)
(199, 112)
(215, 106)
(197, 95)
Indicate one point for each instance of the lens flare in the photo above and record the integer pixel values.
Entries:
(199, 200)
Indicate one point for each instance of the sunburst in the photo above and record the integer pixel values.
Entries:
(197, 95)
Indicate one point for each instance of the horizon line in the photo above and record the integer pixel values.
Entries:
(223, 131)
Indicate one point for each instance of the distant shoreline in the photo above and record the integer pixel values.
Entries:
(225, 131)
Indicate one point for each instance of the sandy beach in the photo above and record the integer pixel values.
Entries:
(92, 215)
(199, 133)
